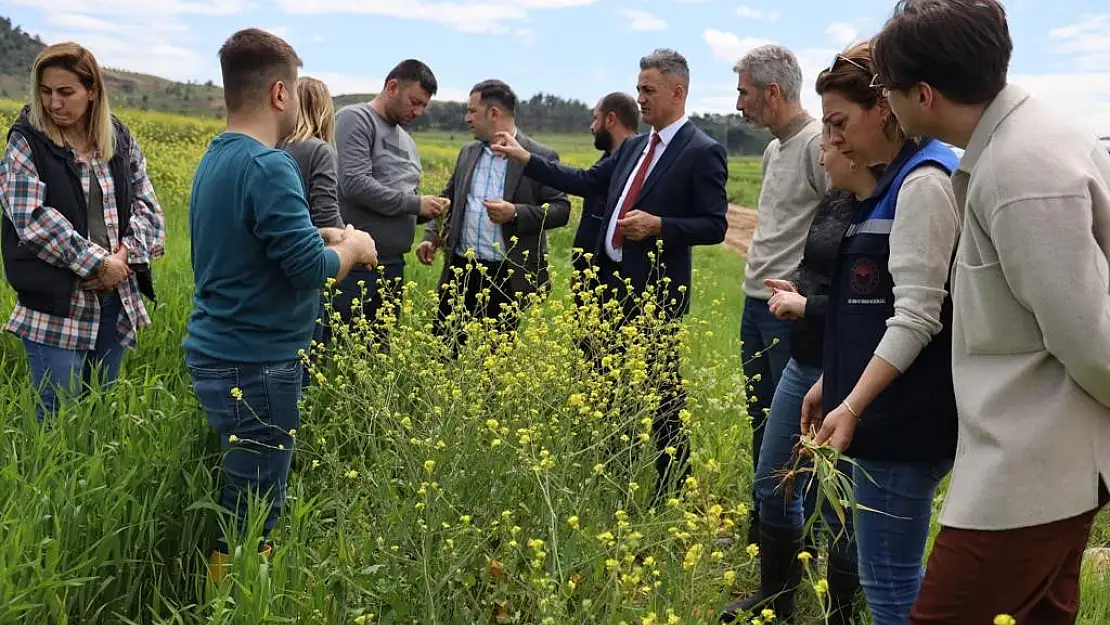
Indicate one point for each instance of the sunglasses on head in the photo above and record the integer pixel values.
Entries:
(840, 58)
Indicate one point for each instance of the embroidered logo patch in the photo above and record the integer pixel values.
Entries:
(865, 276)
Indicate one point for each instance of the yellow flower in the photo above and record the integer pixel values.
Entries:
(768, 615)
(352, 474)
(237, 394)
(1005, 619)
(730, 577)
(573, 522)
(364, 619)
(293, 432)
(429, 465)
(805, 557)
(821, 587)
(233, 439)
(753, 550)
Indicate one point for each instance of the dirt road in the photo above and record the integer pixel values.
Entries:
(741, 225)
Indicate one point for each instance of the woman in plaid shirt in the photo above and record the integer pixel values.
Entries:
(81, 226)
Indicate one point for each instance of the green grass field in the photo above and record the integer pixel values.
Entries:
(481, 491)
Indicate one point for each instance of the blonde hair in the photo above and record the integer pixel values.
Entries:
(74, 58)
(316, 116)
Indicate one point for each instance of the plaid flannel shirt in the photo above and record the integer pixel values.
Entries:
(54, 240)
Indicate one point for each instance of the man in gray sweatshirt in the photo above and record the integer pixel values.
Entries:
(379, 173)
(769, 88)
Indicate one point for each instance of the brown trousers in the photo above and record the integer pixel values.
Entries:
(1030, 573)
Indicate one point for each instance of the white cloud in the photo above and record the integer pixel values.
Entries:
(842, 34)
(486, 16)
(77, 21)
(728, 46)
(1088, 40)
(642, 20)
(755, 14)
(1082, 97)
(144, 7)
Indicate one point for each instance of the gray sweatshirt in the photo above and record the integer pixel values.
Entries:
(379, 172)
(316, 160)
(794, 184)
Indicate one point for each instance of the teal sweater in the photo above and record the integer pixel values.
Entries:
(258, 262)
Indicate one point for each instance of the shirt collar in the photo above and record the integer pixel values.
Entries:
(1011, 97)
(668, 133)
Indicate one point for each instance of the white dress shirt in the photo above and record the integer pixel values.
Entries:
(666, 135)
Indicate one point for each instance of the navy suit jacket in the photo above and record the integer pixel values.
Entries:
(590, 226)
(686, 189)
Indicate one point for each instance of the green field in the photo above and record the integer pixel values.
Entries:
(479, 491)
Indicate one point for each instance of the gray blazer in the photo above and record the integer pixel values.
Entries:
(532, 220)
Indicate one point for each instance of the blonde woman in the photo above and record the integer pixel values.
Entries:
(81, 226)
(312, 145)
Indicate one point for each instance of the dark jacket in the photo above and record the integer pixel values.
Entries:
(40, 285)
(913, 419)
(532, 221)
(686, 189)
(814, 275)
(590, 226)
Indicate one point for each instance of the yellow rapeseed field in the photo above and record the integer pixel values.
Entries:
(508, 486)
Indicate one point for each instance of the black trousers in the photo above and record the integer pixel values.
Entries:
(664, 377)
(483, 290)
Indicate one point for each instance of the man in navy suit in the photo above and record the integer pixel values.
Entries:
(666, 186)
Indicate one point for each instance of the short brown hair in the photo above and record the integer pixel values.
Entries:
(252, 60)
(851, 76)
(961, 48)
(625, 108)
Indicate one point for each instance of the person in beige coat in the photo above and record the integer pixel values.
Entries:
(1031, 336)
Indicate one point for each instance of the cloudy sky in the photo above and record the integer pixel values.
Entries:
(574, 48)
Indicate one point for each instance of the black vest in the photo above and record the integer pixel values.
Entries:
(42, 286)
(913, 419)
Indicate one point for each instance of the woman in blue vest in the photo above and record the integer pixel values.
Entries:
(81, 226)
(886, 398)
(782, 515)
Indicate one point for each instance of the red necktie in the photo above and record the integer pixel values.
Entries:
(634, 190)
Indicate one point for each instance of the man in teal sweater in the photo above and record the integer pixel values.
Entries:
(259, 264)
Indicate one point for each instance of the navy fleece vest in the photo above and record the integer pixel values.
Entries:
(914, 419)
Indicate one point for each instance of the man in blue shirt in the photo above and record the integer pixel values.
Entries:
(258, 264)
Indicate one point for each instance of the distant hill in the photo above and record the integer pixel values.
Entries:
(542, 113)
(126, 89)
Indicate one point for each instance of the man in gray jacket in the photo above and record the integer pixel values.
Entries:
(379, 173)
(1031, 336)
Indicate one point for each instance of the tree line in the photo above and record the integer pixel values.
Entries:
(548, 113)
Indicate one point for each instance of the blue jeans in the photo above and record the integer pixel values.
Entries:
(259, 415)
(763, 361)
(778, 506)
(59, 373)
(891, 542)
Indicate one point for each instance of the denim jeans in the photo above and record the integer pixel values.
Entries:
(778, 506)
(254, 424)
(763, 361)
(891, 541)
(59, 373)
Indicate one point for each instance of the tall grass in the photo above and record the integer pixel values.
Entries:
(497, 488)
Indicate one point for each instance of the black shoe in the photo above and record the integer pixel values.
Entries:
(780, 573)
(843, 578)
